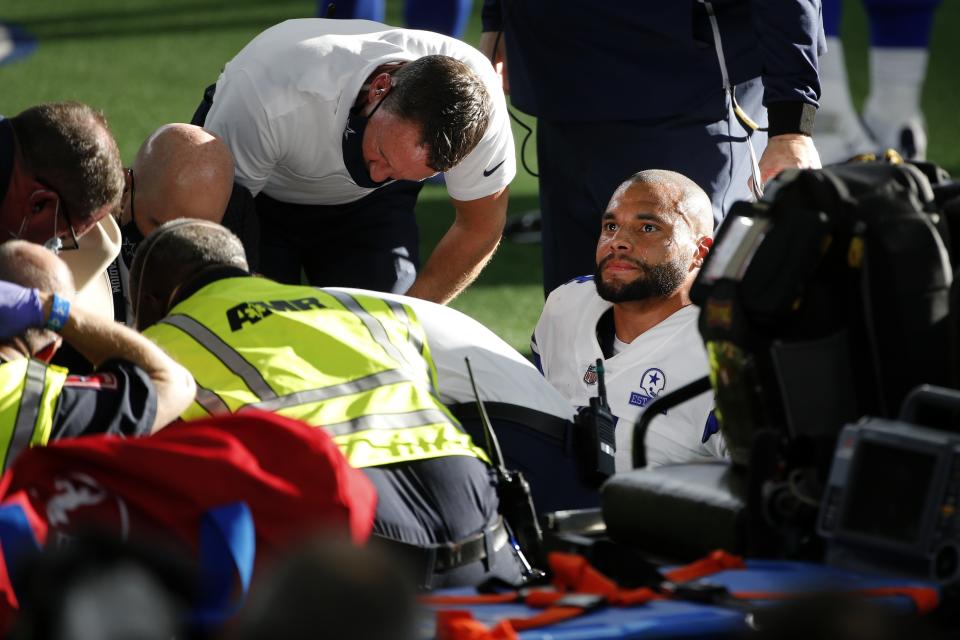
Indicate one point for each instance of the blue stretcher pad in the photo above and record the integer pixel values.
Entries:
(678, 619)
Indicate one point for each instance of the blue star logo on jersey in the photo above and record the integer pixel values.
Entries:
(652, 384)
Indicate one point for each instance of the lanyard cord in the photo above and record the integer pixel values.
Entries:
(748, 124)
(523, 125)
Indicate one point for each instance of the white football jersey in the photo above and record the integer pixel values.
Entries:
(501, 372)
(662, 359)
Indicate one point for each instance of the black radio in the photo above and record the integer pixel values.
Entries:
(892, 500)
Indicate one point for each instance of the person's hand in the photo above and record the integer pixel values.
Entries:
(20, 309)
(787, 151)
(498, 57)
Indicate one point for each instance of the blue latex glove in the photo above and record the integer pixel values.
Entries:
(20, 309)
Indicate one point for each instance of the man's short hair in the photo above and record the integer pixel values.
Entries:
(31, 265)
(179, 249)
(449, 102)
(68, 147)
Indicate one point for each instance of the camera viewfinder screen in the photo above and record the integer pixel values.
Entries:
(888, 492)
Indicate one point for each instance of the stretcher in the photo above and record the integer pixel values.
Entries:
(760, 583)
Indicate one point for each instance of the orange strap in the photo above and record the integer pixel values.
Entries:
(716, 562)
(551, 615)
(573, 574)
(460, 625)
(487, 598)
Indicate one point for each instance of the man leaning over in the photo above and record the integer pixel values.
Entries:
(334, 124)
(136, 390)
(357, 366)
(635, 314)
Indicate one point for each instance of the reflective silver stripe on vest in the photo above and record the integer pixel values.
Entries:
(373, 325)
(27, 412)
(211, 401)
(400, 312)
(320, 394)
(225, 353)
(387, 421)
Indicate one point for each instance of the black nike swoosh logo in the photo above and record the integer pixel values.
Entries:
(489, 172)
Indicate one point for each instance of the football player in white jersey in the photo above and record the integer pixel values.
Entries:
(635, 314)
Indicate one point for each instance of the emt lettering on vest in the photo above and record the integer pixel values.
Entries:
(253, 312)
(363, 377)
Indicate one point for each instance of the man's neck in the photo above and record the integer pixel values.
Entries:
(202, 278)
(630, 319)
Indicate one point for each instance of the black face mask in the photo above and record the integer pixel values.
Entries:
(132, 238)
(353, 148)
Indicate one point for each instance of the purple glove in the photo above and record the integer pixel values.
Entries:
(20, 309)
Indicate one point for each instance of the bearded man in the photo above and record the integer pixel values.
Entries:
(635, 314)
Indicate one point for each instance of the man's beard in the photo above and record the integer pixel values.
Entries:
(657, 281)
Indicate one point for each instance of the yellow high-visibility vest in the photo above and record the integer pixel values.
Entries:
(29, 390)
(355, 365)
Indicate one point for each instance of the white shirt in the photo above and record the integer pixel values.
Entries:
(282, 106)
(502, 374)
(658, 361)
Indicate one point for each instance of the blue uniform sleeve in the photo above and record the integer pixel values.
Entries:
(491, 16)
(118, 399)
(790, 37)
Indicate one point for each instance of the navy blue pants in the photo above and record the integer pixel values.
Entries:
(437, 501)
(582, 164)
(372, 243)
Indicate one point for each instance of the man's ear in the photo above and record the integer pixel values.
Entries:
(379, 88)
(704, 243)
(40, 212)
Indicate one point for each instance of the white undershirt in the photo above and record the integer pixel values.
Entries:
(619, 345)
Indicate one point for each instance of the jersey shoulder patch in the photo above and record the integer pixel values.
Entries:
(98, 381)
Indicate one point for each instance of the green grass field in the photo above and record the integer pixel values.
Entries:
(145, 63)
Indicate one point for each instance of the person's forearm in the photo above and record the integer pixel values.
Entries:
(456, 261)
(98, 340)
(464, 250)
